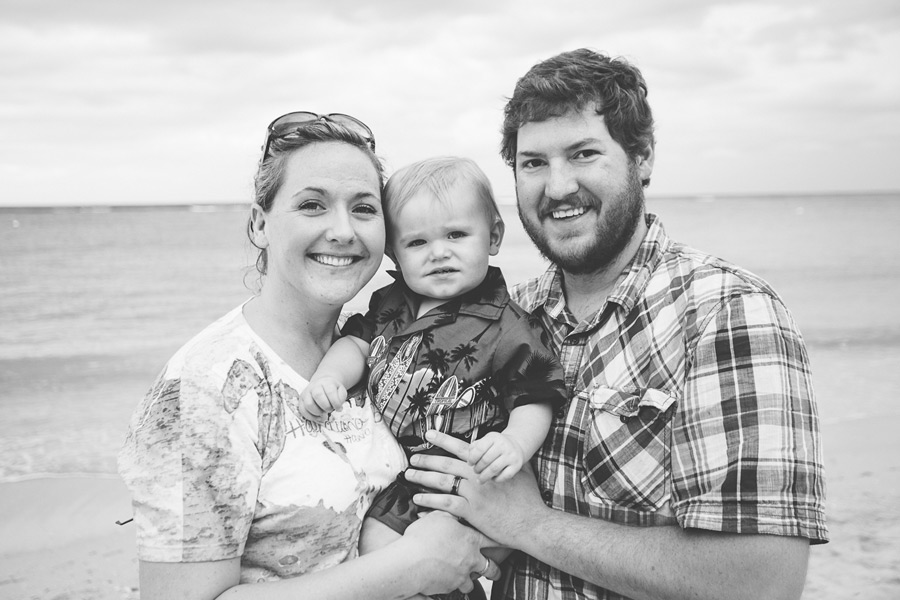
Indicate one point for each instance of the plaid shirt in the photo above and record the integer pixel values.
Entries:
(690, 403)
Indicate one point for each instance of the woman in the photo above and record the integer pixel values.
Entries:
(234, 494)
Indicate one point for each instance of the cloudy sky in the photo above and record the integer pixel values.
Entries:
(166, 101)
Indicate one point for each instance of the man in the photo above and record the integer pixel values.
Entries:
(687, 462)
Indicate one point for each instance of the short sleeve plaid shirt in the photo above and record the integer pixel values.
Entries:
(690, 403)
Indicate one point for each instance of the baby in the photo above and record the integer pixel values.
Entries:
(446, 347)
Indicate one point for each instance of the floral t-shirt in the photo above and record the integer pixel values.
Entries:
(220, 464)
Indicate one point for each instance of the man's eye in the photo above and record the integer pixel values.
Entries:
(531, 163)
(587, 153)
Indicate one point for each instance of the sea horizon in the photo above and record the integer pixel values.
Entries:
(502, 199)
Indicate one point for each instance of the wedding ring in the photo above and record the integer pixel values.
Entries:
(487, 567)
(454, 489)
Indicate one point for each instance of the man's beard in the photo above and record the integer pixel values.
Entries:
(612, 236)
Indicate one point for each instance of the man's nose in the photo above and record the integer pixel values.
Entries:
(561, 181)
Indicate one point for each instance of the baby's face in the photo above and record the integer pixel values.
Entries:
(442, 248)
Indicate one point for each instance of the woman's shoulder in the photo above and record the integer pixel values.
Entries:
(219, 341)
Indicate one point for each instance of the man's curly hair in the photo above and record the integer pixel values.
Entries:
(572, 81)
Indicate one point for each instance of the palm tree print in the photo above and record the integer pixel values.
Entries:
(465, 354)
(418, 402)
(427, 338)
(436, 360)
(393, 316)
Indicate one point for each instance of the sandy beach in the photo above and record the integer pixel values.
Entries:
(58, 539)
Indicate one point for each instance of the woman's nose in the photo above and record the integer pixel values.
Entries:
(340, 228)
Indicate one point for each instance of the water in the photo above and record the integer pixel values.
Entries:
(93, 303)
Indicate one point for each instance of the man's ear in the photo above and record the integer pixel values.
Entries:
(497, 231)
(645, 164)
(258, 227)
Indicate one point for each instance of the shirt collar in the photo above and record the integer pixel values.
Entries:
(629, 285)
(487, 300)
(633, 281)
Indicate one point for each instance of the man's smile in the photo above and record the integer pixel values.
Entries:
(568, 213)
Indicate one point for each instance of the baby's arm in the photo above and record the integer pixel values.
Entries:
(342, 367)
(499, 456)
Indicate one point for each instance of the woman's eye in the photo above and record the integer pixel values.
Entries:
(310, 206)
(365, 209)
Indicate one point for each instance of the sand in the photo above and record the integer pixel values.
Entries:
(58, 539)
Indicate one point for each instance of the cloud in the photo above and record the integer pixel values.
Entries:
(108, 101)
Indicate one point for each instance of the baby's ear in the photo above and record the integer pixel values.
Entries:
(497, 230)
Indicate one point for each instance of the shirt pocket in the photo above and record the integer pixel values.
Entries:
(626, 456)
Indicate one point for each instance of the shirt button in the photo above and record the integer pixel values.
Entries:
(547, 495)
(561, 412)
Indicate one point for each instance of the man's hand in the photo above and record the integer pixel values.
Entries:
(500, 510)
(496, 456)
(321, 397)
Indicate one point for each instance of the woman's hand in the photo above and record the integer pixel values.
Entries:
(500, 510)
(450, 551)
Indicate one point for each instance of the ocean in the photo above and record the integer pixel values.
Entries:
(95, 300)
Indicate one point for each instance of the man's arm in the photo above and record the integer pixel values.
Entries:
(638, 562)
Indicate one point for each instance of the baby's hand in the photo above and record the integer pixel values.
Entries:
(322, 396)
(496, 456)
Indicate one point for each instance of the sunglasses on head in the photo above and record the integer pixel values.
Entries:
(287, 125)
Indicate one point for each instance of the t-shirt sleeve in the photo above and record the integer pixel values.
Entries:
(191, 460)
(525, 371)
(745, 450)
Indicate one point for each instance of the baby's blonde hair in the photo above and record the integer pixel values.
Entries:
(438, 175)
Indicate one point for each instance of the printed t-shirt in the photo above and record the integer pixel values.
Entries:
(220, 464)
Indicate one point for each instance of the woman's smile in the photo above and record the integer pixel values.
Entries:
(332, 260)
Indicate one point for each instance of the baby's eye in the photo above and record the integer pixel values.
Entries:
(415, 243)
(455, 235)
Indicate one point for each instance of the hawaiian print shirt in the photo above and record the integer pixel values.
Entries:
(690, 403)
(460, 368)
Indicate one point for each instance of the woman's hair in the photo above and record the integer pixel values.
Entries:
(270, 174)
(571, 81)
(439, 175)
